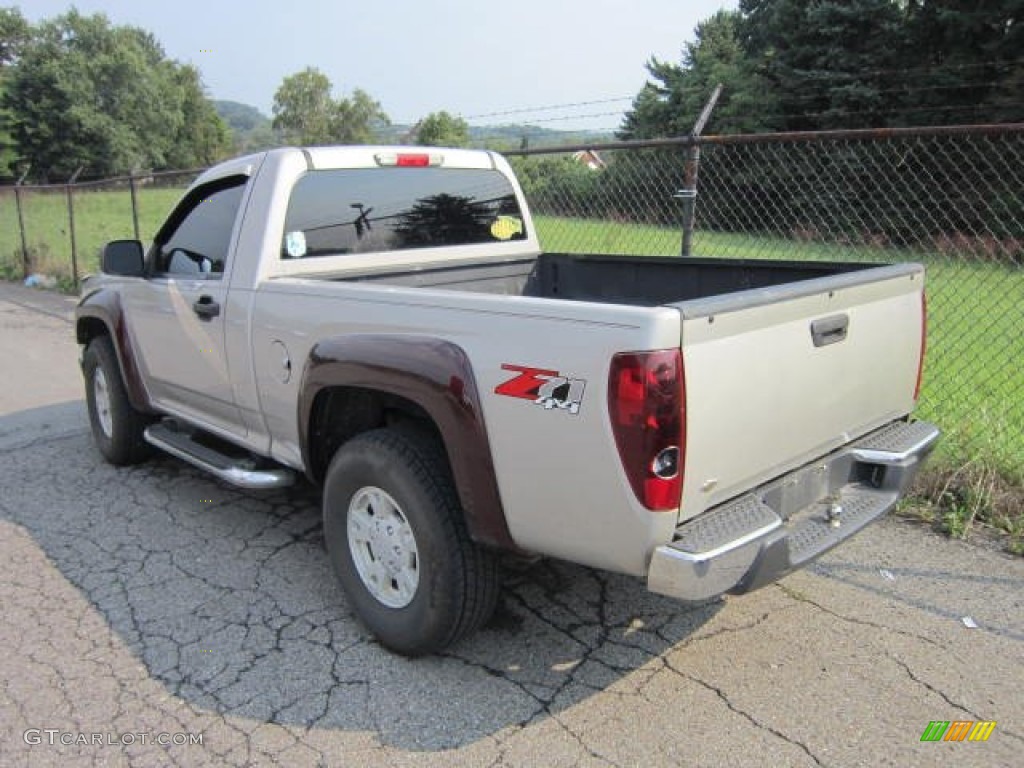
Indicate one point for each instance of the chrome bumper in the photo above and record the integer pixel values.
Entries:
(756, 539)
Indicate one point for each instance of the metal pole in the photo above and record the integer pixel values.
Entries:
(71, 225)
(688, 194)
(135, 204)
(25, 266)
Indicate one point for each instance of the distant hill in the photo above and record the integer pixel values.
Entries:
(253, 131)
(241, 117)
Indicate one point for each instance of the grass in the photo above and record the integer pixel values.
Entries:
(974, 380)
(100, 216)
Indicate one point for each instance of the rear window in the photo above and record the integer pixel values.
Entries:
(383, 209)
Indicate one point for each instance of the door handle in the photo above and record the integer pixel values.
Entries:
(829, 330)
(206, 307)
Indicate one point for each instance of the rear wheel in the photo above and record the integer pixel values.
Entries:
(398, 543)
(116, 426)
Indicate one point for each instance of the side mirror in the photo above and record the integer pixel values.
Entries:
(123, 257)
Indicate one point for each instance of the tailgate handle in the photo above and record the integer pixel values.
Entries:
(829, 330)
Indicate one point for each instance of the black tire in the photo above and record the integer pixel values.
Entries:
(458, 580)
(116, 426)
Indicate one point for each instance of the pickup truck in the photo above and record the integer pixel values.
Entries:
(382, 321)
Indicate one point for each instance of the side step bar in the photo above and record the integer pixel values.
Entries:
(241, 472)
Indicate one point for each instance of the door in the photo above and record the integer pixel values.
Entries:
(177, 315)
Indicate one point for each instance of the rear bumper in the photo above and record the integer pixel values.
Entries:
(756, 539)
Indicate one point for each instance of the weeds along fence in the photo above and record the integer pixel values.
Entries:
(952, 198)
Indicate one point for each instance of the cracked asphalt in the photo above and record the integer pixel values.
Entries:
(155, 600)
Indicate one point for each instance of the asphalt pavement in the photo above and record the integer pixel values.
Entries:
(154, 616)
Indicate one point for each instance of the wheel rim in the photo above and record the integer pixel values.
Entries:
(383, 547)
(101, 396)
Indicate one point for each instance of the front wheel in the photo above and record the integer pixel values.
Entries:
(116, 426)
(399, 546)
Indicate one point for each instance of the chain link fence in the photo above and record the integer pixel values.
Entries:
(948, 197)
(951, 198)
(56, 231)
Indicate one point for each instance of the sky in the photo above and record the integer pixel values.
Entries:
(488, 62)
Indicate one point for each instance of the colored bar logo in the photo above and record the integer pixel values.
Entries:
(958, 730)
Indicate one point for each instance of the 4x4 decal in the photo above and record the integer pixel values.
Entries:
(549, 389)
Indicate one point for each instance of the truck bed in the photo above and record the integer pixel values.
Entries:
(782, 358)
(629, 280)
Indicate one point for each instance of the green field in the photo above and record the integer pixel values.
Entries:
(974, 380)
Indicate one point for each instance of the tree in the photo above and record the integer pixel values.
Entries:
(441, 129)
(879, 63)
(85, 94)
(307, 114)
(717, 56)
(356, 119)
(669, 106)
(203, 138)
(828, 64)
(831, 64)
(14, 33)
(966, 63)
(656, 110)
(303, 107)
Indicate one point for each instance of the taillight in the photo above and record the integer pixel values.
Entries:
(924, 344)
(646, 397)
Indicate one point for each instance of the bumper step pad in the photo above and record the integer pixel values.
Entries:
(816, 534)
(744, 518)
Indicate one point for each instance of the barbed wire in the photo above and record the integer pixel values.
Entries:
(548, 108)
(801, 98)
(880, 113)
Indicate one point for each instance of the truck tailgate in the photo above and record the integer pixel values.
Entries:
(776, 377)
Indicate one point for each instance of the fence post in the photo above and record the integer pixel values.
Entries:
(688, 194)
(25, 266)
(71, 225)
(135, 204)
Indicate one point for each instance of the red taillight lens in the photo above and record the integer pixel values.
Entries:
(924, 344)
(413, 161)
(646, 398)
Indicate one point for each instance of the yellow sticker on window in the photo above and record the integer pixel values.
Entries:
(506, 227)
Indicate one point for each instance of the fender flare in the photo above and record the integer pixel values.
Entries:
(437, 376)
(104, 305)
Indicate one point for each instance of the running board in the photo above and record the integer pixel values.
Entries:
(237, 471)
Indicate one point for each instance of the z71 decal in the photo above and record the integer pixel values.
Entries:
(547, 388)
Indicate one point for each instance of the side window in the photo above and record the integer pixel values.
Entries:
(196, 238)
